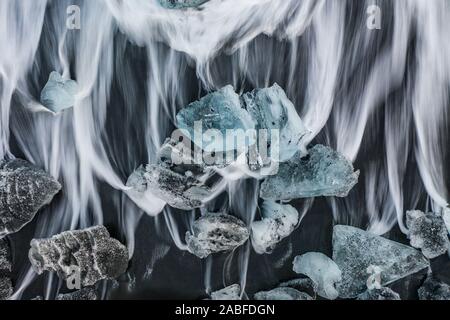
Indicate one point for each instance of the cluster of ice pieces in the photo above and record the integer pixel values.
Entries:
(91, 251)
(24, 189)
(179, 4)
(59, 93)
(433, 289)
(232, 292)
(6, 287)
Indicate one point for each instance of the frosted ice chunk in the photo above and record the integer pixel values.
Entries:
(82, 294)
(59, 94)
(433, 289)
(320, 269)
(221, 111)
(324, 172)
(215, 232)
(427, 231)
(6, 287)
(282, 293)
(232, 292)
(179, 4)
(24, 189)
(379, 294)
(278, 222)
(304, 285)
(179, 191)
(354, 250)
(272, 109)
(92, 251)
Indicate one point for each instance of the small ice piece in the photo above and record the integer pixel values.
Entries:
(320, 269)
(91, 252)
(180, 4)
(179, 191)
(220, 111)
(272, 110)
(383, 293)
(215, 232)
(354, 250)
(58, 94)
(24, 189)
(427, 231)
(433, 289)
(282, 293)
(304, 285)
(278, 222)
(324, 172)
(232, 292)
(6, 288)
(82, 294)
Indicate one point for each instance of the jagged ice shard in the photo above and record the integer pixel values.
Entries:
(324, 172)
(6, 288)
(278, 222)
(24, 189)
(215, 232)
(232, 292)
(179, 4)
(383, 293)
(354, 250)
(92, 251)
(58, 94)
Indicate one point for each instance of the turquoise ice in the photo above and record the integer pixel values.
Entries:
(58, 94)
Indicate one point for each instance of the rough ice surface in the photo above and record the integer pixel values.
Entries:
(6, 288)
(272, 109)
(354, 250)
(304, 285)
(278, 222)
(179, 4)
(215, 232)
(179, 191)
(58, 94)
(446, 217)
(433, 289)
(427, 231)
(82, 294)
(324, 172)
(92, 251)
(232, 292)
(220, 110)
(383, 293)
(24, 189)
(320, 269)
(282, 293)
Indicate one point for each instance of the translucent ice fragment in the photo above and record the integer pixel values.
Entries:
(232, 292)
(24, 189)
(215, 232)
(6, 288)
(282, 293)
(427, 231)
(304, 285)
(92, 252)
(58, 94)
(354, 250)
(379, 294)
(278, 222)
(433, 289)
(272, 110)
(179, 4)
(324, 172)
(82, 294)
(320, 269)
(218, 112)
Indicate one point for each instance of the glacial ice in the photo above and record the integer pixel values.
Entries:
(271, 109)
(320, 269)
(6, 288)
(304, 285)
(92, 251)
(278, 222)
(59, 94)
(215, 232)
(24, 189)
(232, 292)
(427, 231)
(324, 172)
(282, 293)
(179, 4)
(354, 250)
(383, 293)
(82, 294)
(433, 289)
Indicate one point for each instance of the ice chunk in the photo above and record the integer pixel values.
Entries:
(272, 110)
(282, 293)
(58, 94)
(278, 222)
(221, 111)
(215, 232)
(24, 189)
(433, 289)
(379, 294)
(179, 191)
(6, 287)
(91, 251)
(179, 4)
(354, 250)
(320, 269)
(83, 294)
(427, 231)
(304, 285)
(232, 292)
(324, 172)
